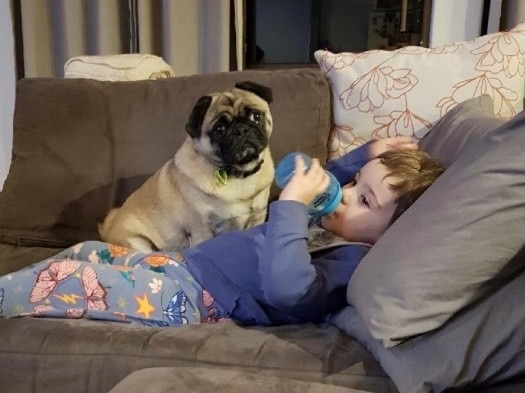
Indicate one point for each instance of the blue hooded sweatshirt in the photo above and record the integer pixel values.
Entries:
(266, 275)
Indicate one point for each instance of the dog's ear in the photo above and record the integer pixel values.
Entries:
(264, 92)
(194, 124)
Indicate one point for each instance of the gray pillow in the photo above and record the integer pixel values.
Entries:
(453, 246)
(483, 346)
(463, 125)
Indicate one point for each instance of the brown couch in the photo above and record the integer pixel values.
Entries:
(80, 147)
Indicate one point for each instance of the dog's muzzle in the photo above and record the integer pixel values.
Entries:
(242, 143)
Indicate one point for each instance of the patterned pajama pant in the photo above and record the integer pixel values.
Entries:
(98, 280)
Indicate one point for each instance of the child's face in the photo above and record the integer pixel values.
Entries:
(367, 206)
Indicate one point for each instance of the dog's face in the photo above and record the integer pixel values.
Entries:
(232, 128)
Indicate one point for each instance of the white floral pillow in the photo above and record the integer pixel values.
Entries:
(378, 93)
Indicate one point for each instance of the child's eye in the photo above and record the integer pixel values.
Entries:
(364, 200)
(353, 183)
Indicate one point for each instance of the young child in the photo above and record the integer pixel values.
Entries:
(265, 275)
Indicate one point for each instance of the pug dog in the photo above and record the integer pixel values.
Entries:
(218, 180)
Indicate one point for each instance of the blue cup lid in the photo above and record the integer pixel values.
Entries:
(286, 168)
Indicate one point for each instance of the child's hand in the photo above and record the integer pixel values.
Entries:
(379, 146)
(305, 186)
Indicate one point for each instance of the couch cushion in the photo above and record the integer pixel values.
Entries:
(82, 146)
(14, 258)
(81, 356)
(464, 125)
(207, 379)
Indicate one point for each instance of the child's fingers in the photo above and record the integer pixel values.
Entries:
(408, 145)
(404, 142)
(403, 139)
(318, 175)
(299, 164)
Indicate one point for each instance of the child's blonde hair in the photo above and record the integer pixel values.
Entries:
(414, 171)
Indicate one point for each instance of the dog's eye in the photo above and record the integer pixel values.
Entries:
(219, 129)
(256, 116)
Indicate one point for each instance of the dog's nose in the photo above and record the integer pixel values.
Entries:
(240, 129)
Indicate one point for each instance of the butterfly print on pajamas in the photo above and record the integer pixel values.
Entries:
(48, 278)
(75, 313)
(94, 292)
(46, 309)
(41, 309)
(213, 313)
(176, 307)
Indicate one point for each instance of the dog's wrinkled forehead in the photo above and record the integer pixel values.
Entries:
(234, 103)
(237, 101)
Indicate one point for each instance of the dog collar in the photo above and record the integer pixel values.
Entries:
(221, 174)
(221, 177)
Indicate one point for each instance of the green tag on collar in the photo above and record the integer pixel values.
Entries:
(221, 177)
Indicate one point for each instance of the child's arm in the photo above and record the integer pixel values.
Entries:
(291, 280)
(288, 277)
(285, 264)
(345, 167)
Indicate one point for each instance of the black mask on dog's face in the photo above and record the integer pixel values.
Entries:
(233, 126)
(242, 139)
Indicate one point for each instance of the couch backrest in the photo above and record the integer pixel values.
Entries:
(82, 146)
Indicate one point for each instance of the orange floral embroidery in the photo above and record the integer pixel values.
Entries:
(413, 50)
(118, 251)
(400, 123)
(342, 139)
(382, 93)
(445, 49)
(370, 91)
(157, 260)
(337, 61)
(446, 104)
(483, 84)
(501, 53)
